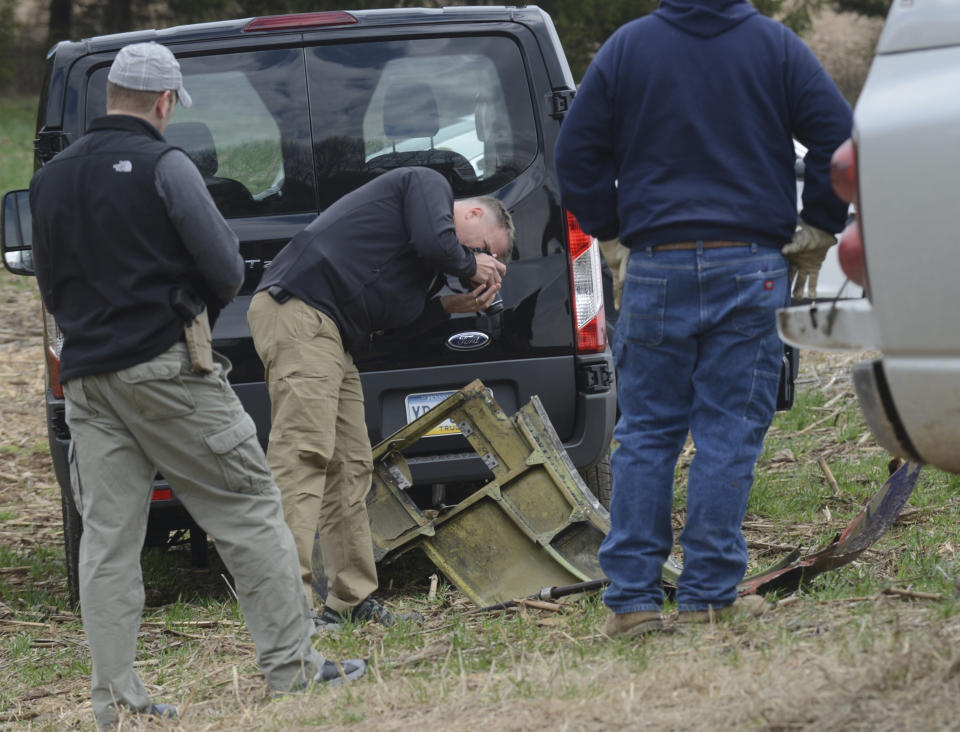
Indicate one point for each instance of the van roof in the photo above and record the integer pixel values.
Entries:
(364, 18)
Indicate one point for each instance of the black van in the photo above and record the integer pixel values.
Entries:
(290, 113)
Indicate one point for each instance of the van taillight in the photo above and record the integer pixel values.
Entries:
(299, 20)
(587, 287)
(52, 346)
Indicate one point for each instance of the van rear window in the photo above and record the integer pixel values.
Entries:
(460, 105)
(247, 130)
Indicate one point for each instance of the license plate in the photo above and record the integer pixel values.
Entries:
(419, 404)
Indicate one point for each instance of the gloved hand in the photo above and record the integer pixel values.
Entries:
(806, 252)
(617, 257)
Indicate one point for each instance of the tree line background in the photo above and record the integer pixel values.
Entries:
(28, 28)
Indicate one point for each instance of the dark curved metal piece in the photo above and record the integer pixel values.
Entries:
(877, 516)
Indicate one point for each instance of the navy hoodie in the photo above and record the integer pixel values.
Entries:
(682, 127)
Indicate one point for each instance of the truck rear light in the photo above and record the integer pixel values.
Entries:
(161, 494)
(843, 172)
(299, 20)
(53, 345)
(850, 254)
(587, 288)
(843, 176)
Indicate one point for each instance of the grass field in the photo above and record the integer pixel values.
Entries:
(871, 646)
(17, 123)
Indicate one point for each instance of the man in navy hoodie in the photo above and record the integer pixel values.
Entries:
(679, 143)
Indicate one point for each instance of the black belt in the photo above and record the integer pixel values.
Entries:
(279, 294)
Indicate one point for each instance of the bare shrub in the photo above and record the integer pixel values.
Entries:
(845, 44)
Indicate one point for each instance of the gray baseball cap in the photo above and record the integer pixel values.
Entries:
(148, 67)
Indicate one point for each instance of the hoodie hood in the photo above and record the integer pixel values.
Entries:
(704, 18)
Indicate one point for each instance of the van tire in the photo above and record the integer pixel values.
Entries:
(72, 530)
(599, 479)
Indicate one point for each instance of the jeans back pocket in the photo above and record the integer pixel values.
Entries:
(759, 295)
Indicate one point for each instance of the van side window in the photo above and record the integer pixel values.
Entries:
(457, 105)
(250, 143)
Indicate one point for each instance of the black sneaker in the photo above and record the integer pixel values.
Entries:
(328, 619)
(334, 673)
(370, 610)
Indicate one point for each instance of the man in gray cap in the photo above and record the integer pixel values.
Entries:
(129, 248)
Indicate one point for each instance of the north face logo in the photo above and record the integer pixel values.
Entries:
(123, 166)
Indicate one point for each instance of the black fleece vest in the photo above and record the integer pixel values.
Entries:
(107, 256)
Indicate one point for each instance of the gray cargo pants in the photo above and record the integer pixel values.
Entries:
(162, 415)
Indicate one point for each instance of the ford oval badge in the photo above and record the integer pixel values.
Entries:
(469, 340)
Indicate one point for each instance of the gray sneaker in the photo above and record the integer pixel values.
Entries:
(157, 711)
(334, 673)
(163, 711)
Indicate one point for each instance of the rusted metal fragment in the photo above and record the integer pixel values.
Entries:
(868, 526)
(535, 523)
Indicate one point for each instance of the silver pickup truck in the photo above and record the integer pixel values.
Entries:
(900, 173)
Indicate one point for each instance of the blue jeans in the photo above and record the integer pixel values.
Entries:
(696, 350)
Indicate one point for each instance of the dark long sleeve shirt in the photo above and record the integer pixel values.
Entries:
(204, 232)
(371, 260)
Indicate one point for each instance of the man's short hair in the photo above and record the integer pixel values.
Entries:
(502, 217)
(130, 100)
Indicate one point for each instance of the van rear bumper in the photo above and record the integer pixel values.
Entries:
(578, 393)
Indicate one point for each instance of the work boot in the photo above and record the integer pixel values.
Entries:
(748, 606)
(627, 625)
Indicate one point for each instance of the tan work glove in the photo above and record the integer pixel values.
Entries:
(617, 257)
(806, 252)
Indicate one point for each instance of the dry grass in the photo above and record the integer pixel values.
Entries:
(875, 661)
(844, 43)
(888, 666)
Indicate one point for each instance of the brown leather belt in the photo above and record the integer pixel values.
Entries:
(683, 245)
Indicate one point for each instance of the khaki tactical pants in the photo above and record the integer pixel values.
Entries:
(161, 415)
(319, 450)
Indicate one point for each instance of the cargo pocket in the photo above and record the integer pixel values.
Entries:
(157, 389)
(240, 457)
(644, 302)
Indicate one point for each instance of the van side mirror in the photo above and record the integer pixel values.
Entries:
(16, 233)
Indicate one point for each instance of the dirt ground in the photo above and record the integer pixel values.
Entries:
(26, 473)
(879, 662)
